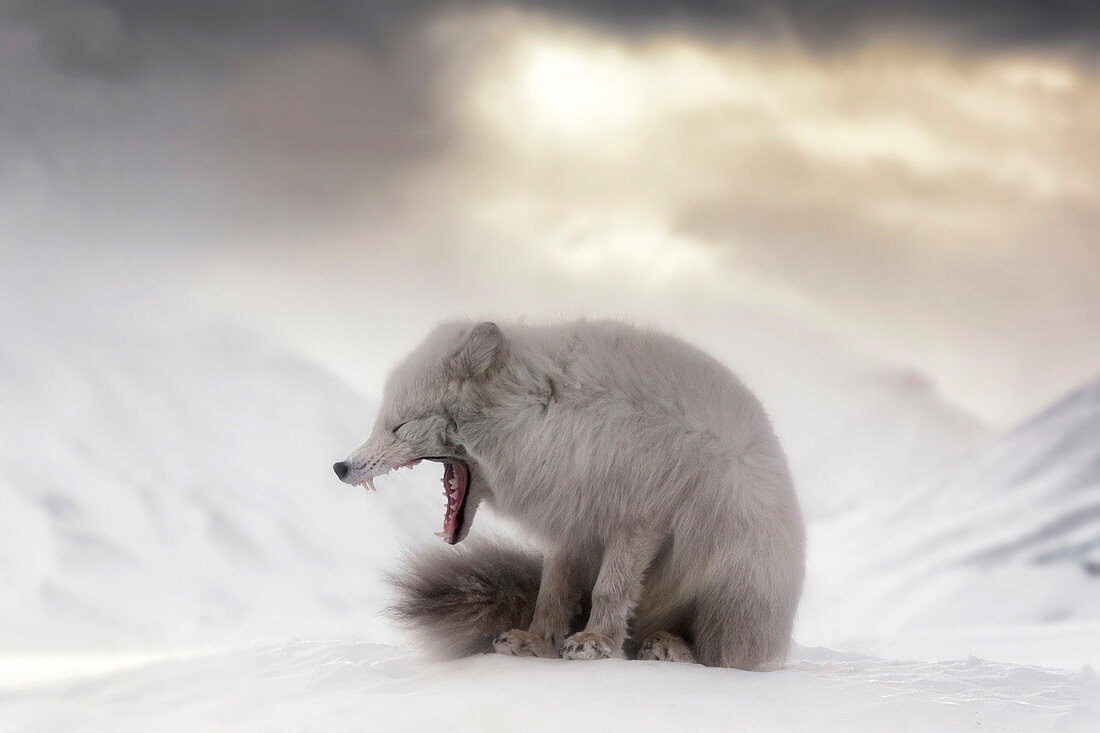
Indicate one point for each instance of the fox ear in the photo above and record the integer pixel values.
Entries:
(481, 350)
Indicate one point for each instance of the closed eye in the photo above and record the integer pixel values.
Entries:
(394, 431)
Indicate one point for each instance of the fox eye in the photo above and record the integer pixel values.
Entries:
(394, 431)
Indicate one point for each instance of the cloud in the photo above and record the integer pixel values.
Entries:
(930, 203)
(94, 36)
(310, 106)
(934, 208)
(825, 24)
(229, 112)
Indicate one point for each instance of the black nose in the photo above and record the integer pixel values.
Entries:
(341, 470)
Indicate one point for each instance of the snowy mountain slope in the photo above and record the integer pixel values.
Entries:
(352, 687)
(1012, 535)
(876, 432)
(169, 485)
(166, 483)
(854, 429)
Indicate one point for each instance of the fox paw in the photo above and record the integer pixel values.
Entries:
(666, 647)
(587, 645)
(520, 643)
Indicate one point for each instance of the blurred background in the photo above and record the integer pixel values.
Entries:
(221, 223)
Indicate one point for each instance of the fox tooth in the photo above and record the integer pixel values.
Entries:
(441, 535)
(369, 484)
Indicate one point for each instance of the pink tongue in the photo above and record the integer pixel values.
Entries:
(451, 472)
(449, 514)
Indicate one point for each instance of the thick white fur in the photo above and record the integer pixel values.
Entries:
(649, 474)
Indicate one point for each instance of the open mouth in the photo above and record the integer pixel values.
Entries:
(456, 479)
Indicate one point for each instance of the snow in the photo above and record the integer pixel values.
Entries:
(168, 506)
(1066, 644)
(1008, 537)
(340, 686)
(913, 431)
(166, 484)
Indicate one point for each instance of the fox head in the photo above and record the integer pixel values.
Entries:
(431, 400)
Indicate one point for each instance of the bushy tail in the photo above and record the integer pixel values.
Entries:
(458, 599)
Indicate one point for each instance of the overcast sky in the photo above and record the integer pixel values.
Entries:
(915, 184)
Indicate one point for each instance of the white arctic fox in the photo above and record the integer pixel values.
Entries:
(647, 473)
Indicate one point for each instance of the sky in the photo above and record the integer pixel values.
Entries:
(911, 184)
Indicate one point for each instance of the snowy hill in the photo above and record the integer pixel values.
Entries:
(167, 484)
(1009, 536)
(853, 427)
(876, 431)
(1038, 491)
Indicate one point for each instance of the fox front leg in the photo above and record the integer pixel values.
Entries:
(555, 607)
(614, 597)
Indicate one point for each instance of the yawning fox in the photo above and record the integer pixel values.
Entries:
(648, 477)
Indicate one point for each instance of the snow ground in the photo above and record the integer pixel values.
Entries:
(337, 686)
(1067, 645)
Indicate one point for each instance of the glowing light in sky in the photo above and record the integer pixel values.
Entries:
(572, 91)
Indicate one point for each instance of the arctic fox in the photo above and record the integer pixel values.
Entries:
(648, 475)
